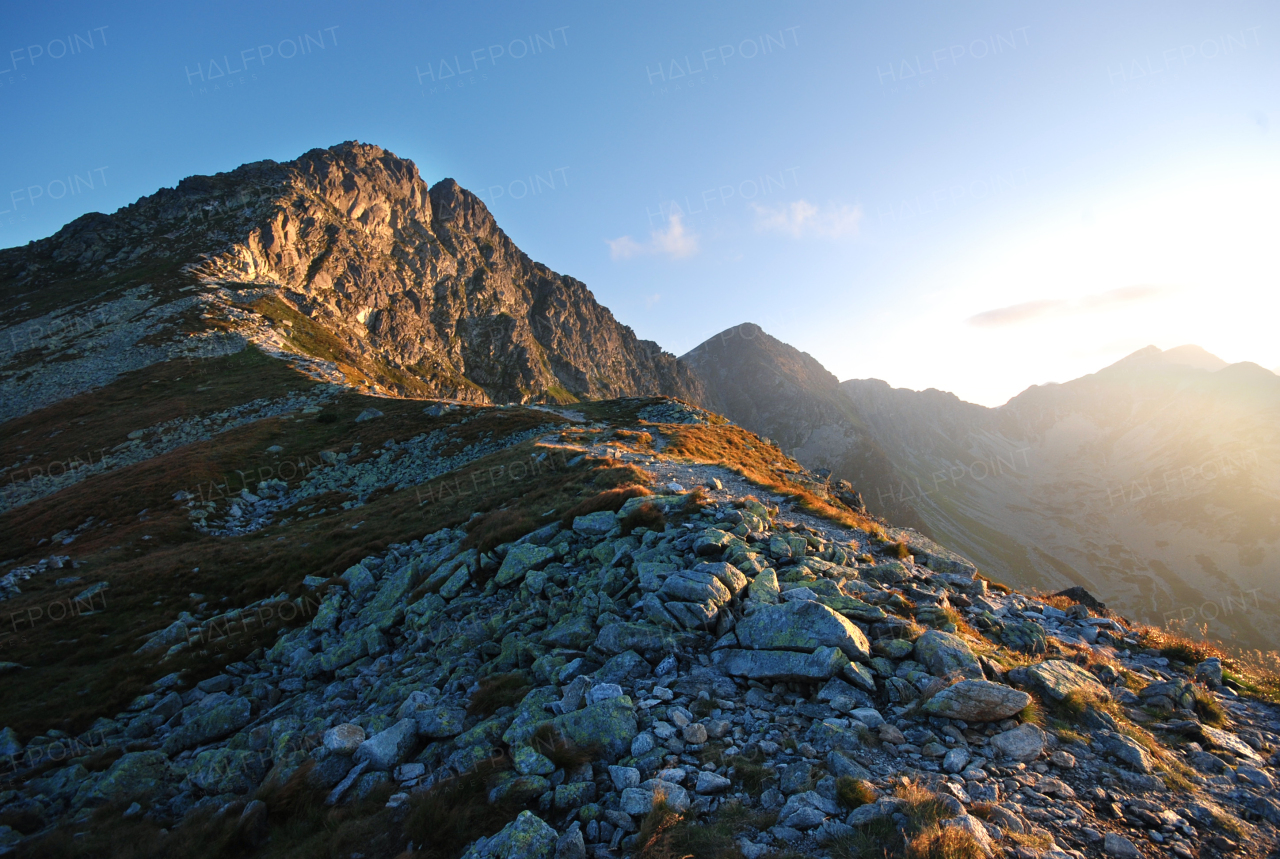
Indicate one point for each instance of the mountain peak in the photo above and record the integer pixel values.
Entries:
(345, 262)
(1194, 356)
(1189, 355)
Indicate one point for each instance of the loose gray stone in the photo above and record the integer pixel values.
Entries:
(977, 701)
(386, 749)
(1023, 743)
(802, 626)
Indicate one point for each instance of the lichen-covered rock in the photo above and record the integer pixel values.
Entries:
(521, 559)
(802, 626)
(694, 586)
(609, 726)
(596, 524)
(764, 587)
(977, 701)
(1026, 636)
(359, 580)
(890, 573)
(574, 631)
(711, 542)
(643, 638)
(727, 574)
(356, 644)
(227, 771)
(945, 654)
(822, 664)
(218, 721)
(137, 775)
(526, 837)
(519, 789)
(1057, 678)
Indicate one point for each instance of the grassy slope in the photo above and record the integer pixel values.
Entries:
(83, 667)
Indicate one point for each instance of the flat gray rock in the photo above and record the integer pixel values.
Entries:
(802, 626)
(977, 701)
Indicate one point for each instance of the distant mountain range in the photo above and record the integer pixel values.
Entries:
(1155, 482)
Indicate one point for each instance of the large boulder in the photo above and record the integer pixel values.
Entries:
(1023, 743)
(730, 576)
(694, 586)
(216, 722)
(1026, 636)
(387, 606)
(764, 587)
(977, 701)
(711, 542)
(1057, 678)
(596, 524)
(643, 638)
(520, 560)
(609, 726)
(802, 626)
(434, 721)
(1125, 750)
(945, 654)
(526, 837)
(226, 770)
(574, 631)
(137, 775)
(387, 749)
(823, 664)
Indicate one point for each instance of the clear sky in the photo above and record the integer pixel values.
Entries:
(973, 197)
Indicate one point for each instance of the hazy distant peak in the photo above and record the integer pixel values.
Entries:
(1193, 356)
(1189, 355)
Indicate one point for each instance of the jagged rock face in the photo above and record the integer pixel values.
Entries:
(778, 391)
(412, 290)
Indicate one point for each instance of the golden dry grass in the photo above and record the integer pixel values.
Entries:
(745, 454)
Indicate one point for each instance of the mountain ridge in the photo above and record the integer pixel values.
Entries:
(400, 288)
(1067, 484)
(302, 607)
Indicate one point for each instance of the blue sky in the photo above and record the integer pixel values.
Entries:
(975, 199)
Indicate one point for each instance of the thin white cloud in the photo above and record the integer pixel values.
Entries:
(1016, 314)
(803, 218)
(673, 242)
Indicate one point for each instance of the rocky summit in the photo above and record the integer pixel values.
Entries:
(343, 261)
(346, 530)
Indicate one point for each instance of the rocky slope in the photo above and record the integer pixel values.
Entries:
(342, 605)
(706, 672)
(344, 259)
